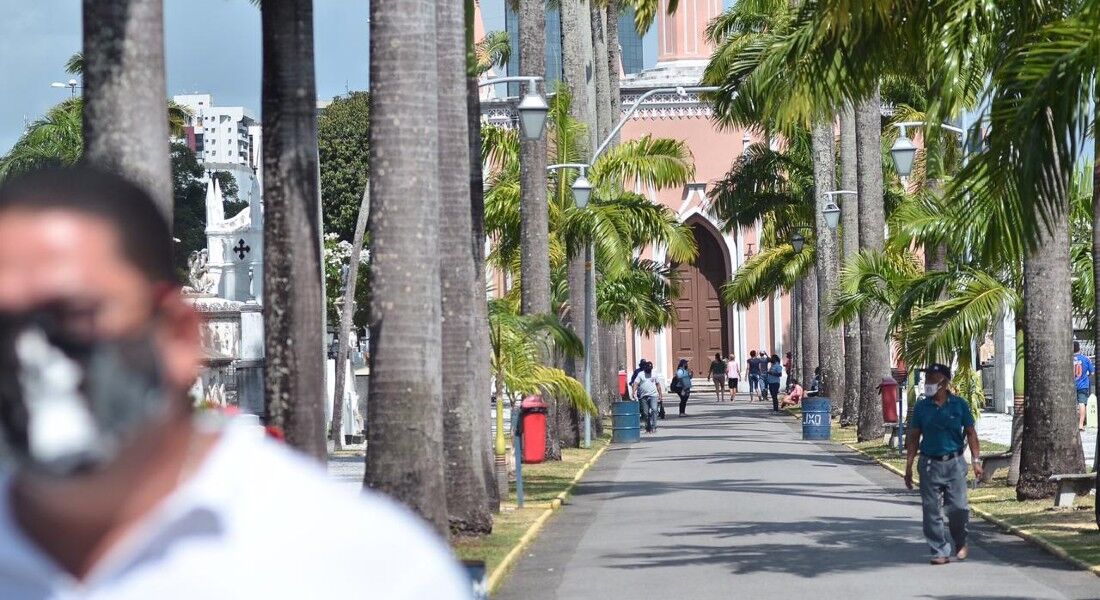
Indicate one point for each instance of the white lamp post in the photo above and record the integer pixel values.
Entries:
(72, 85)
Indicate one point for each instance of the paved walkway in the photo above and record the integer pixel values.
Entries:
(730, 503)
(997, 427)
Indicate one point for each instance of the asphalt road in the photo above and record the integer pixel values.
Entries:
(731, 503)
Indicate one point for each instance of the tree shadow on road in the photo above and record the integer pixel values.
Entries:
(755, 487)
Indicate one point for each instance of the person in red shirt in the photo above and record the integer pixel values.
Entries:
(797, 393)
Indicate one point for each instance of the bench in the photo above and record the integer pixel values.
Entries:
(992, 462)
(1070, 486)
(890, 434)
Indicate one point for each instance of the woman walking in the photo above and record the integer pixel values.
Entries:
(775, 374)
(683, 384)
(718, 375)
(733, 376)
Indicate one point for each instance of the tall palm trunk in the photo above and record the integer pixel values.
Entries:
(604, 371)
(480, 376)
(125, 116)
(796, 333)
(874, 350)
(293, 293)
(534, 216)
(467, 497)
(1096, 269)
(849, 228)
(614, 59)
(533, 210)
(347, 313)
(1051, 443)
(808, 322)
(405, 411)
(576, 59)
(830, 339)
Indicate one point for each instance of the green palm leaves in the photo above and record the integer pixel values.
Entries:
(519, 341)
(54, 140)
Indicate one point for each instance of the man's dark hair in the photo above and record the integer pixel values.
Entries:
(143, 232)
(1076, 346)
(752, 353)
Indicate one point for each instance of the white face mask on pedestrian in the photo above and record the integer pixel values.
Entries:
(931, 389)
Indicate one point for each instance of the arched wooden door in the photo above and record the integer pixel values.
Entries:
(702, 326)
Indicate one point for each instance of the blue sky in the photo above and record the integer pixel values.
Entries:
(211, 46)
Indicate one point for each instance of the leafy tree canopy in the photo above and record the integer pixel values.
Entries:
(342, 139)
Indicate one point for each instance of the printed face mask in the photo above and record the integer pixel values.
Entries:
(931, 389)
(67, 405)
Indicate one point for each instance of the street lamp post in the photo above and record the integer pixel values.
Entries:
(532, 108)
(832, 211)
(582, 192)
(72, 85)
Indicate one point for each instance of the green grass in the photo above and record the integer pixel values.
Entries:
(1072, 530)
(541, 484)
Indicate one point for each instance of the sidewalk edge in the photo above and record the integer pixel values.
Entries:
(1000, 524)
(497, 576)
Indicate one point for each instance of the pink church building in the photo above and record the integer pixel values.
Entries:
(703, 325)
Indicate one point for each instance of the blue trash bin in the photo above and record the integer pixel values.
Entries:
(626, 422)
(815, 418)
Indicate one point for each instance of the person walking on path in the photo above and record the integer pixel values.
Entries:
(939, 424)
(1082, 370)
(648, 391)
(718, 376)
(733, 375)
(754, 375)
(681, 384)
(774, 375)
(765, 361)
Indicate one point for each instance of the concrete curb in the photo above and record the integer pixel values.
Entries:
(497, 576)
(1025, 534)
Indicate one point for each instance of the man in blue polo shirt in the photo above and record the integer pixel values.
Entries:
(939, 423)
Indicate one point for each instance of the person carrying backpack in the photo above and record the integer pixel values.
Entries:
(681, 384)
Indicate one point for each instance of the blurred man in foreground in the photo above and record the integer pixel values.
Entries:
(115, 489)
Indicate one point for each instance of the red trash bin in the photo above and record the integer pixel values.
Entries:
(889, 391)
(622, 383)
(533, 422)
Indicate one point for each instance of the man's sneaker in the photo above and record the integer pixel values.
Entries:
(940, 560)
(963, 553)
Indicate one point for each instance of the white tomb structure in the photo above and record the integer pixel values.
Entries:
(227, 288)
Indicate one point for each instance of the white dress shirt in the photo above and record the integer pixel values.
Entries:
(255, 521)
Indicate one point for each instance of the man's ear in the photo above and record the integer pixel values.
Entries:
(180, 341)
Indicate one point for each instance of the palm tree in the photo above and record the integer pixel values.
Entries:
(849, 205)
(481, 379)
(124, 89)
(874, 355)
(53, 140)
(830, 339)
(533, 210)
(645, 12)
(293, 292)
(405, 408)
(463, 437)
(492, 51)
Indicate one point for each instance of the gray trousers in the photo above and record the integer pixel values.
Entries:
(943, 490)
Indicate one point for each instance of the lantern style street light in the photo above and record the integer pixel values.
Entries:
(832, 211)
(904, 151)
(532, 108)
(798, 241)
